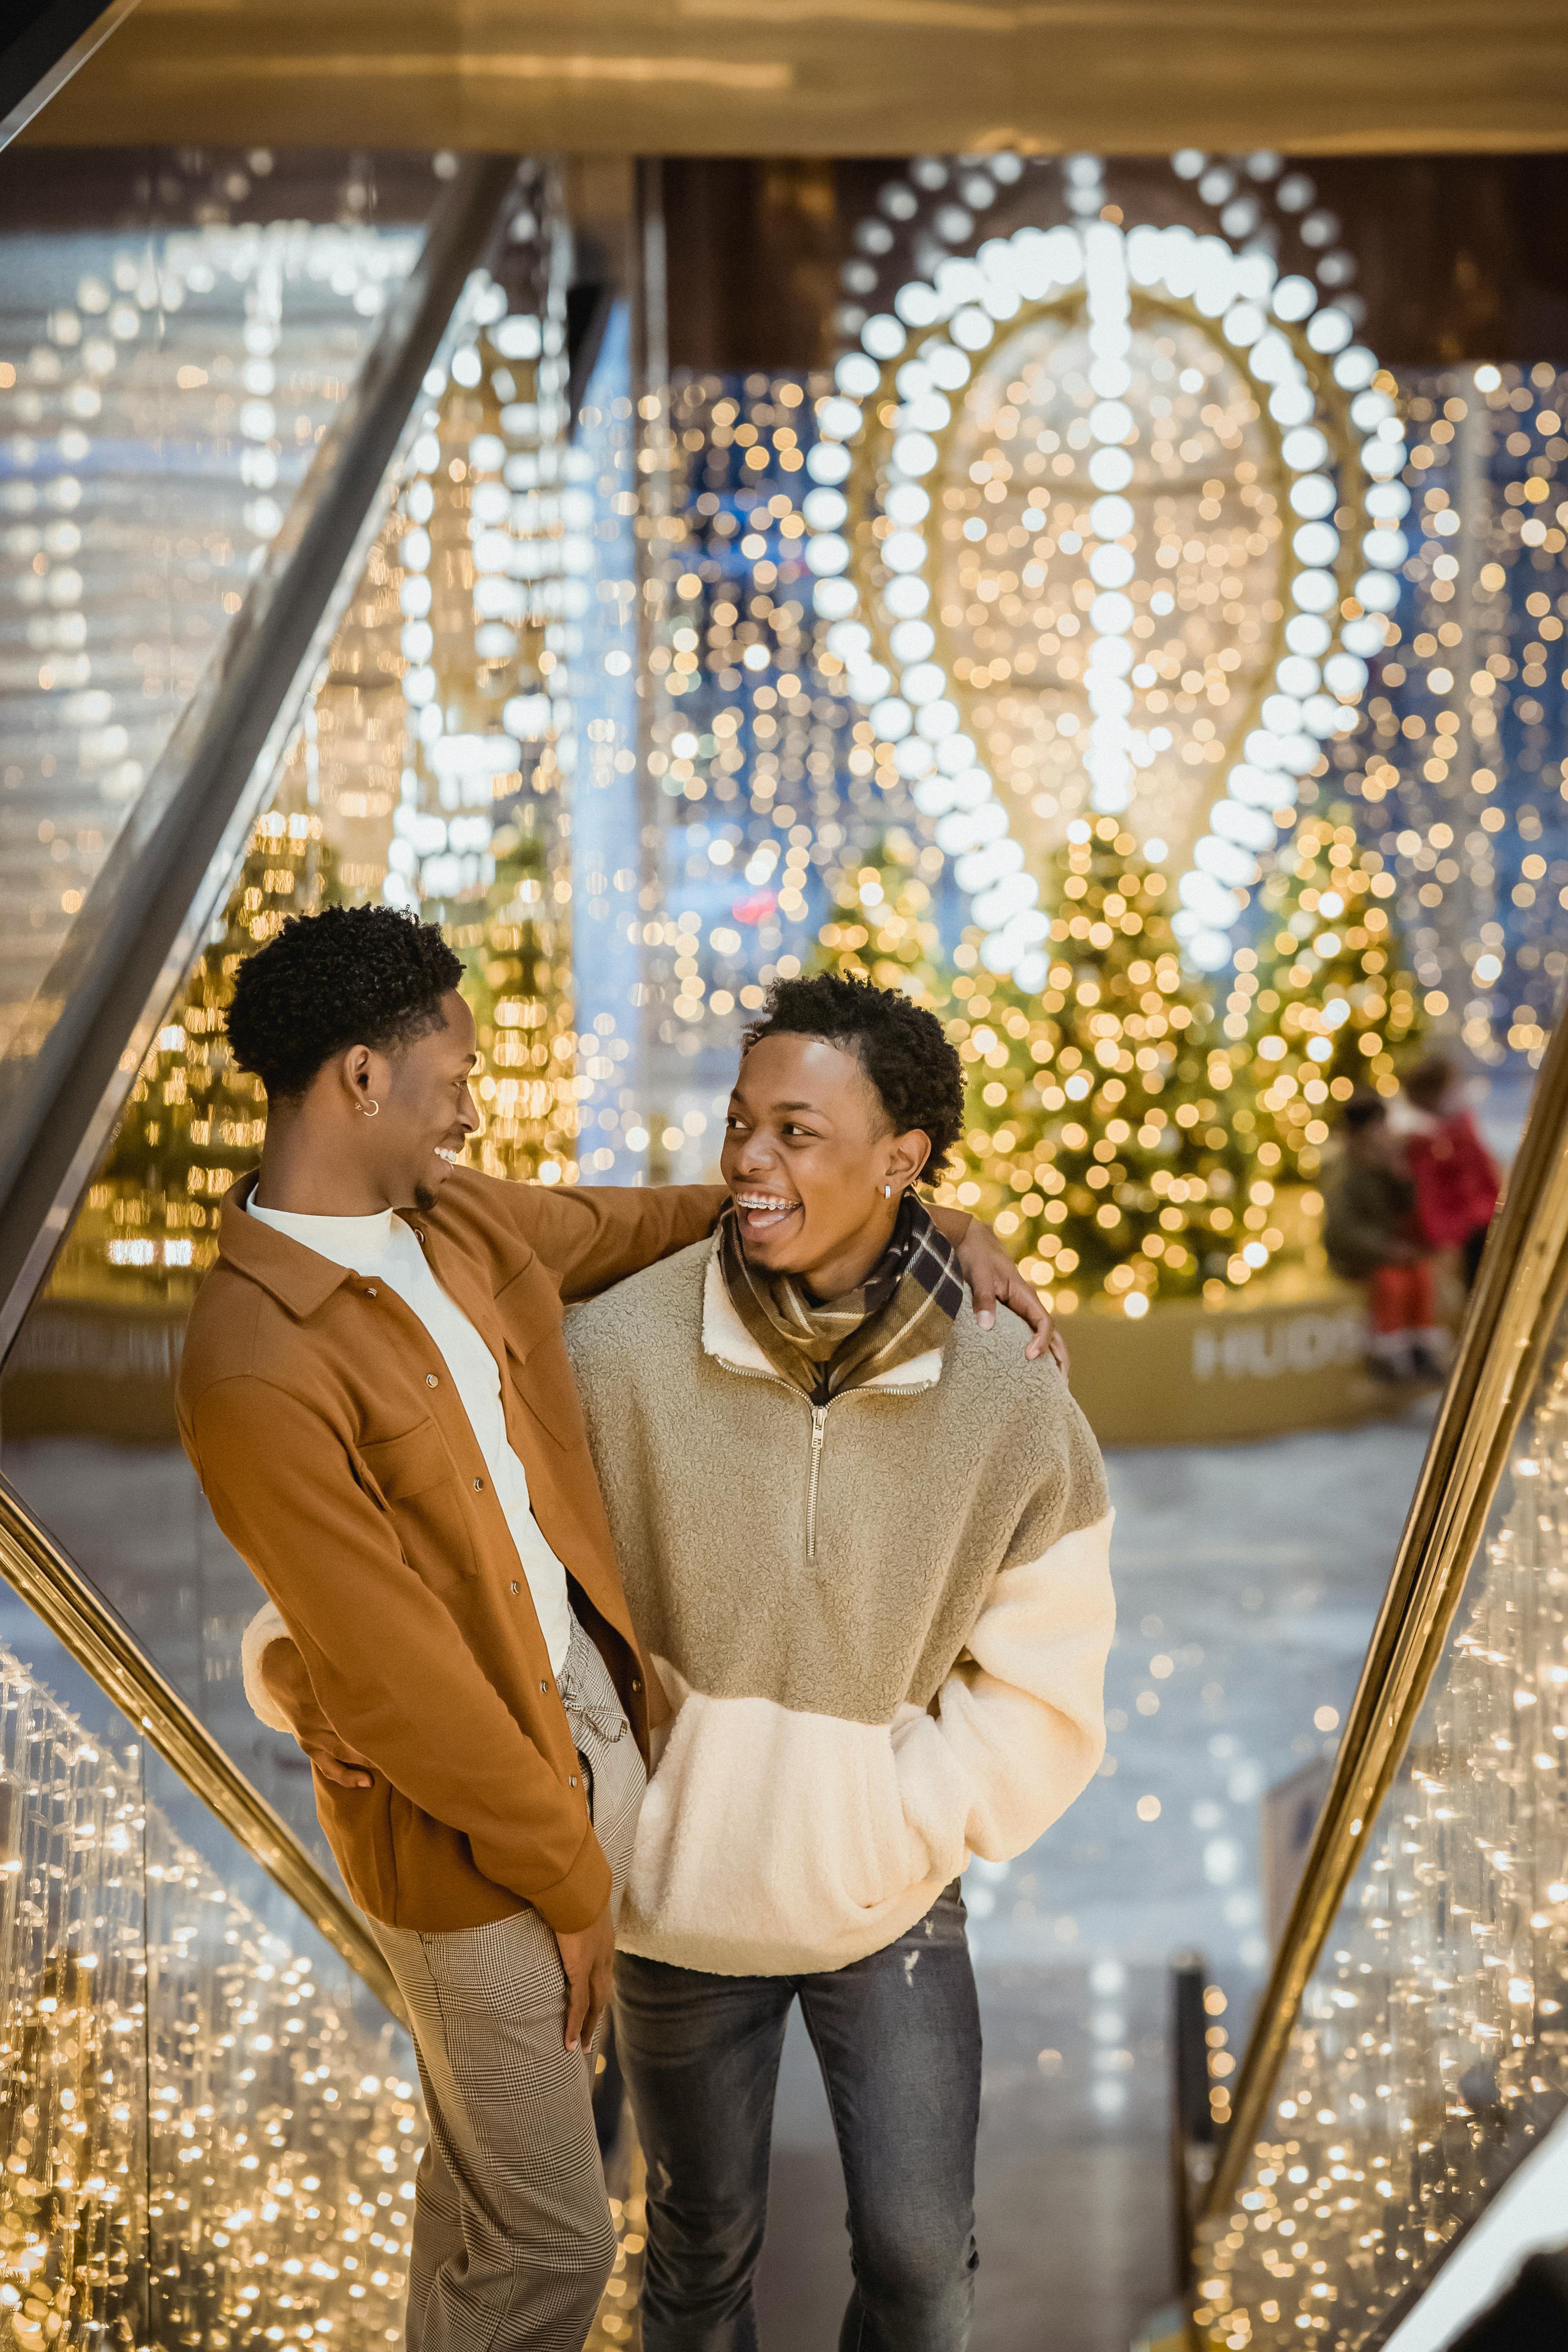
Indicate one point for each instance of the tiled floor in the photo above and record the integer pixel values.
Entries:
(1256, 1571)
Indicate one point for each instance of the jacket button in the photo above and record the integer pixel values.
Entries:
(478, 1486)
(636, 1682)
(574, 1779)
(544, 1686)
(430, 1381)
(372, 1292)
(517, 1588)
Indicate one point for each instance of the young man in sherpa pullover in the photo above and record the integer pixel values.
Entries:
(864, 1543)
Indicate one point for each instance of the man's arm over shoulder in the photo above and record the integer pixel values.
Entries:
(591, 1235)
(383, 1660)
(1019, 1729)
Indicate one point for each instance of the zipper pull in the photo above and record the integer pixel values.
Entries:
(819, 1430)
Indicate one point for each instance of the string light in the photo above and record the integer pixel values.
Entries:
(189, 2101)
(423, 798)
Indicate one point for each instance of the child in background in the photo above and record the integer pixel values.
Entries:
(1369, 1231)
(1456, 1179)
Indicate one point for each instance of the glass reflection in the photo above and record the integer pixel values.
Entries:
(1431, 2052)
(177, 332)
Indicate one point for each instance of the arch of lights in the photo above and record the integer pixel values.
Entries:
(874, 542)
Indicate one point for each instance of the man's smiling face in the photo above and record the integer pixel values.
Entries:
(808, 1148)
(427, 1113)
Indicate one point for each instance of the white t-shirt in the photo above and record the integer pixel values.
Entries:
(386, 1249)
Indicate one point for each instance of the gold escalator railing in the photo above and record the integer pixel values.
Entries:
(1412, 2043)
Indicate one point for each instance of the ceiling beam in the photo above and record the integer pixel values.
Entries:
(830, 77)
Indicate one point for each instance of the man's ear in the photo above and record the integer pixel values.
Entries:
(910, 1154)
(354, 1070)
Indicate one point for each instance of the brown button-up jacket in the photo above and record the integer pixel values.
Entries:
(338, 1459)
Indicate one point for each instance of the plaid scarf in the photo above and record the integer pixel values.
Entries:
(905, 1305)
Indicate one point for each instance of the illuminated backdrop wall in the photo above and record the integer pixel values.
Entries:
(1096, 516)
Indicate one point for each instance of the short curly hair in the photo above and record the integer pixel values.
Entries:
(904, 1050)
(349, 976)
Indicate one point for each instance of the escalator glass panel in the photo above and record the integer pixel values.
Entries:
(177, 332)
(1430, 2053)
(207, 2124)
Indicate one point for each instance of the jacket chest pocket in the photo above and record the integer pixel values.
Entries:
(543, 1379)
(537, 1358)
(416, 1481)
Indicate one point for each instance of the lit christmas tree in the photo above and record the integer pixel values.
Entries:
(1102, 1138)
(194, 1122)
(517, 984)
(1325, 1003)
(882, 927)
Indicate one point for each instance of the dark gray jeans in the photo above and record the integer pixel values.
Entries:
(897, 2037)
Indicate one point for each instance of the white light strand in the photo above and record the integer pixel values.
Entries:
(1114, 745)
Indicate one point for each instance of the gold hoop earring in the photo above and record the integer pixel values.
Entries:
(369, 1109)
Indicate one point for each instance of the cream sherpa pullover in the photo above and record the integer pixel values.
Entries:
(883, 1623)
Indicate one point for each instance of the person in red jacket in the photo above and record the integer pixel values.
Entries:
(1455, 1176)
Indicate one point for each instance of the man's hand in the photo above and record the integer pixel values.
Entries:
(995, 1281)
(588, 1957)
(287, 1683)
(337, 1762)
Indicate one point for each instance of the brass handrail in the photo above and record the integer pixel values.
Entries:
(1518, 1295)
(55, 1590)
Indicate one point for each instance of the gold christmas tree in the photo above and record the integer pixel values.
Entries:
(1326, 1004)
(518, 982)
(193, 1121)
(882, 927)
(1103, 1136)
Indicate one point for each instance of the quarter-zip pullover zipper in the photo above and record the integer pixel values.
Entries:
(819, 1431)
(818, 1413)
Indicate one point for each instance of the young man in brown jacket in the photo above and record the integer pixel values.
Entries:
(376, 1396)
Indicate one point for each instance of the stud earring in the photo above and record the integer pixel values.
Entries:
(887, 1191)
(369, 1109)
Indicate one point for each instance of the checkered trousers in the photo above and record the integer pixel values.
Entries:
(512, 2236)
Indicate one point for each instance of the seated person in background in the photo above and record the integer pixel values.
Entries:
(1369, 1201)
(864, 1540)
(1455, 1175)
